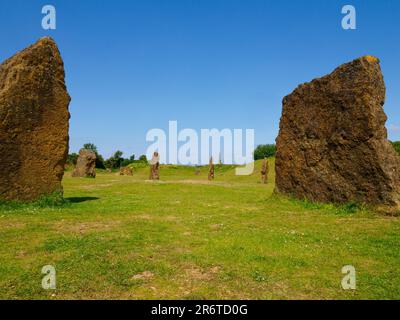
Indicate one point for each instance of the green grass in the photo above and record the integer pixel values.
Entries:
(55, 200)
(119, 237)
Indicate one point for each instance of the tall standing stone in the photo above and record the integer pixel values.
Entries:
(34, 122)
(211, 170)
(264, 171)
(155, 167)
(332, 144)
(85, 165)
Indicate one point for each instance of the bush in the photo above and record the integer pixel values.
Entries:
(126, 162)
(264, 151)
(396, 146)
(72, 159)
(51, 201)
(54, 200)
(138, 164)
(115, 161)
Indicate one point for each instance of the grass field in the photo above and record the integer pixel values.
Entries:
(123, 237)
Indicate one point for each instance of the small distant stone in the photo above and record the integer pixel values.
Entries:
(126, 171)
(144, 275)
(264, 171)
(85, 165)
(211, 170)
(155, 167)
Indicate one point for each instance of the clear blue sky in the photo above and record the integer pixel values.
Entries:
(134, 65)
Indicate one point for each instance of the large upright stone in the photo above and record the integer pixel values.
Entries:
(85, 165)
(332, 145)
(33, 122)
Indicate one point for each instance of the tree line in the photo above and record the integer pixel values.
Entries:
(269, 150)
(117, 160)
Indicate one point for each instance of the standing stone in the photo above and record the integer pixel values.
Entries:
(34, 123)
(211, 170)
(155, 167)
(332, 145)
(126, 171)
(264, 171)
(85, 165)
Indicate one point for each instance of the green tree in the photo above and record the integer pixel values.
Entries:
(90, 146)
(143, 158)
(264, 151)
(118, 154)
(115, 161)
(126, 162)
(72, 158)
(396, 146)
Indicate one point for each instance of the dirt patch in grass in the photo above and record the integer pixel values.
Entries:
(194, 273)
(143, 276)
(84, 227)
(217, 226)
(96, 186)
(204, 182)
(8, 225)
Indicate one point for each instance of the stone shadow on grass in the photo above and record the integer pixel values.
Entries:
(81, 199)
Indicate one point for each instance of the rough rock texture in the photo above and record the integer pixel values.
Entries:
(155, 167)
(264, 171)
(126, 171)
(85, 165)
(33, 122)
(211, 170)
(332, 145)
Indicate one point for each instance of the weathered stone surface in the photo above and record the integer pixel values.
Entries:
(332, 145)
(33, 122)
(264, 171)
(85, 165)
(126, 171)
(211, 170)
(155, 167)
